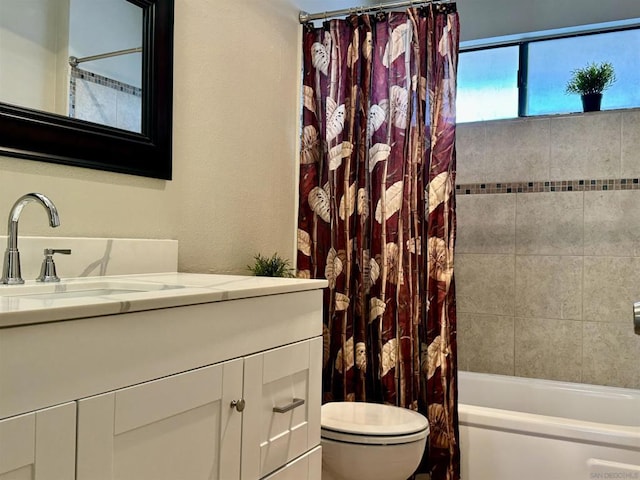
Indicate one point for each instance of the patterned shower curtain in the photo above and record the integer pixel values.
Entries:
(377, 211)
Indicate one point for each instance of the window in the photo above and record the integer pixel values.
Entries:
(487, 78)
(488, 84)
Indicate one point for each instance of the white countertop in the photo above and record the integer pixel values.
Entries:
(23, 304)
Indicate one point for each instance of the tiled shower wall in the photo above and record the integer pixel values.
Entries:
(546, 278)
(103, 100)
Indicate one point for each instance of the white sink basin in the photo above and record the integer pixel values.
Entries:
(51, 291)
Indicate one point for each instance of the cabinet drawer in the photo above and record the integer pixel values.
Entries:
(282, 417)
(307, 467)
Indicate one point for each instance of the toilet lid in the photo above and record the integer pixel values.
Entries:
(372, 420)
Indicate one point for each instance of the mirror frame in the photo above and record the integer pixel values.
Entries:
(38, 135)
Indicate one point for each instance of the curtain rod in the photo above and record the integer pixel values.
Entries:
(74, 61)
(305, 17)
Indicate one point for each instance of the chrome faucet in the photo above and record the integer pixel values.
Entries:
(11, 274)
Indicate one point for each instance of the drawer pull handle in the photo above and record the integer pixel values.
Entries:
(296, 403)
(238, 404)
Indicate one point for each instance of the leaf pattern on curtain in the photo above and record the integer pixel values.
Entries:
(377, 211)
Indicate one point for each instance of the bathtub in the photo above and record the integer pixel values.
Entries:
(527, 429)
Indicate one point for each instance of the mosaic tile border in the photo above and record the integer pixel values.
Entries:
(78, 73)
(549, 186)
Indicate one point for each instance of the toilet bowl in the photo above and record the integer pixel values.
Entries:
(371, 441)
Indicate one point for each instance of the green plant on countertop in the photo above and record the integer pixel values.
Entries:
(594, 78)
(271, 267)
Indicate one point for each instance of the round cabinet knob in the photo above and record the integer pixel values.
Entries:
(238, 404)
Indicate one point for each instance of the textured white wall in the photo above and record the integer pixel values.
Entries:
(91, 203)
(102, 26)
(235, 142)
(33, 53)
(493, 18)
(236, 117)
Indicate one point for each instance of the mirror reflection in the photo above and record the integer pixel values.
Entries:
(76, 58)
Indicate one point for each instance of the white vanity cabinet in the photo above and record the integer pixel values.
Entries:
(39, 445)
(186, 427)
(150, 394)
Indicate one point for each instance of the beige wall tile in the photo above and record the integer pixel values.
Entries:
(486, 223)
(485, 283)
(550, 223)
(610, 355)
(462, 337)
(549, 287)
(486, 343)
(612, 223)
(631, 144)
(517, 150)
(470, 153)
(553, 286)
(586, 146)
(610, 288)
(550, 349)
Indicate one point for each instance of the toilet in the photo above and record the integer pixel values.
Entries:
(371, 441)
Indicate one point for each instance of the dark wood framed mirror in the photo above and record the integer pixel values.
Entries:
(38, 135)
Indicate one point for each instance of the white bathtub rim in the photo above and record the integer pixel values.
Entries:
(618, 436)
(528, 382)
(534, 396)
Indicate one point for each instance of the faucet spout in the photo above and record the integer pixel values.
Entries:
(11, 269)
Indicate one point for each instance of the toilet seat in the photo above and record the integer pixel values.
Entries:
(371, 423)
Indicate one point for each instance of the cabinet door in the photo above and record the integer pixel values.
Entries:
(282, 416)
(39, 445)
(178, 427)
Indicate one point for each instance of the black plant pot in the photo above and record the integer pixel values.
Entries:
(591, 102)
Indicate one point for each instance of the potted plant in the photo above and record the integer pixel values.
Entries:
(271, 267)
(590, 82)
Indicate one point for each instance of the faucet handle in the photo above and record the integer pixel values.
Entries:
(48, 270)
(51, 251)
